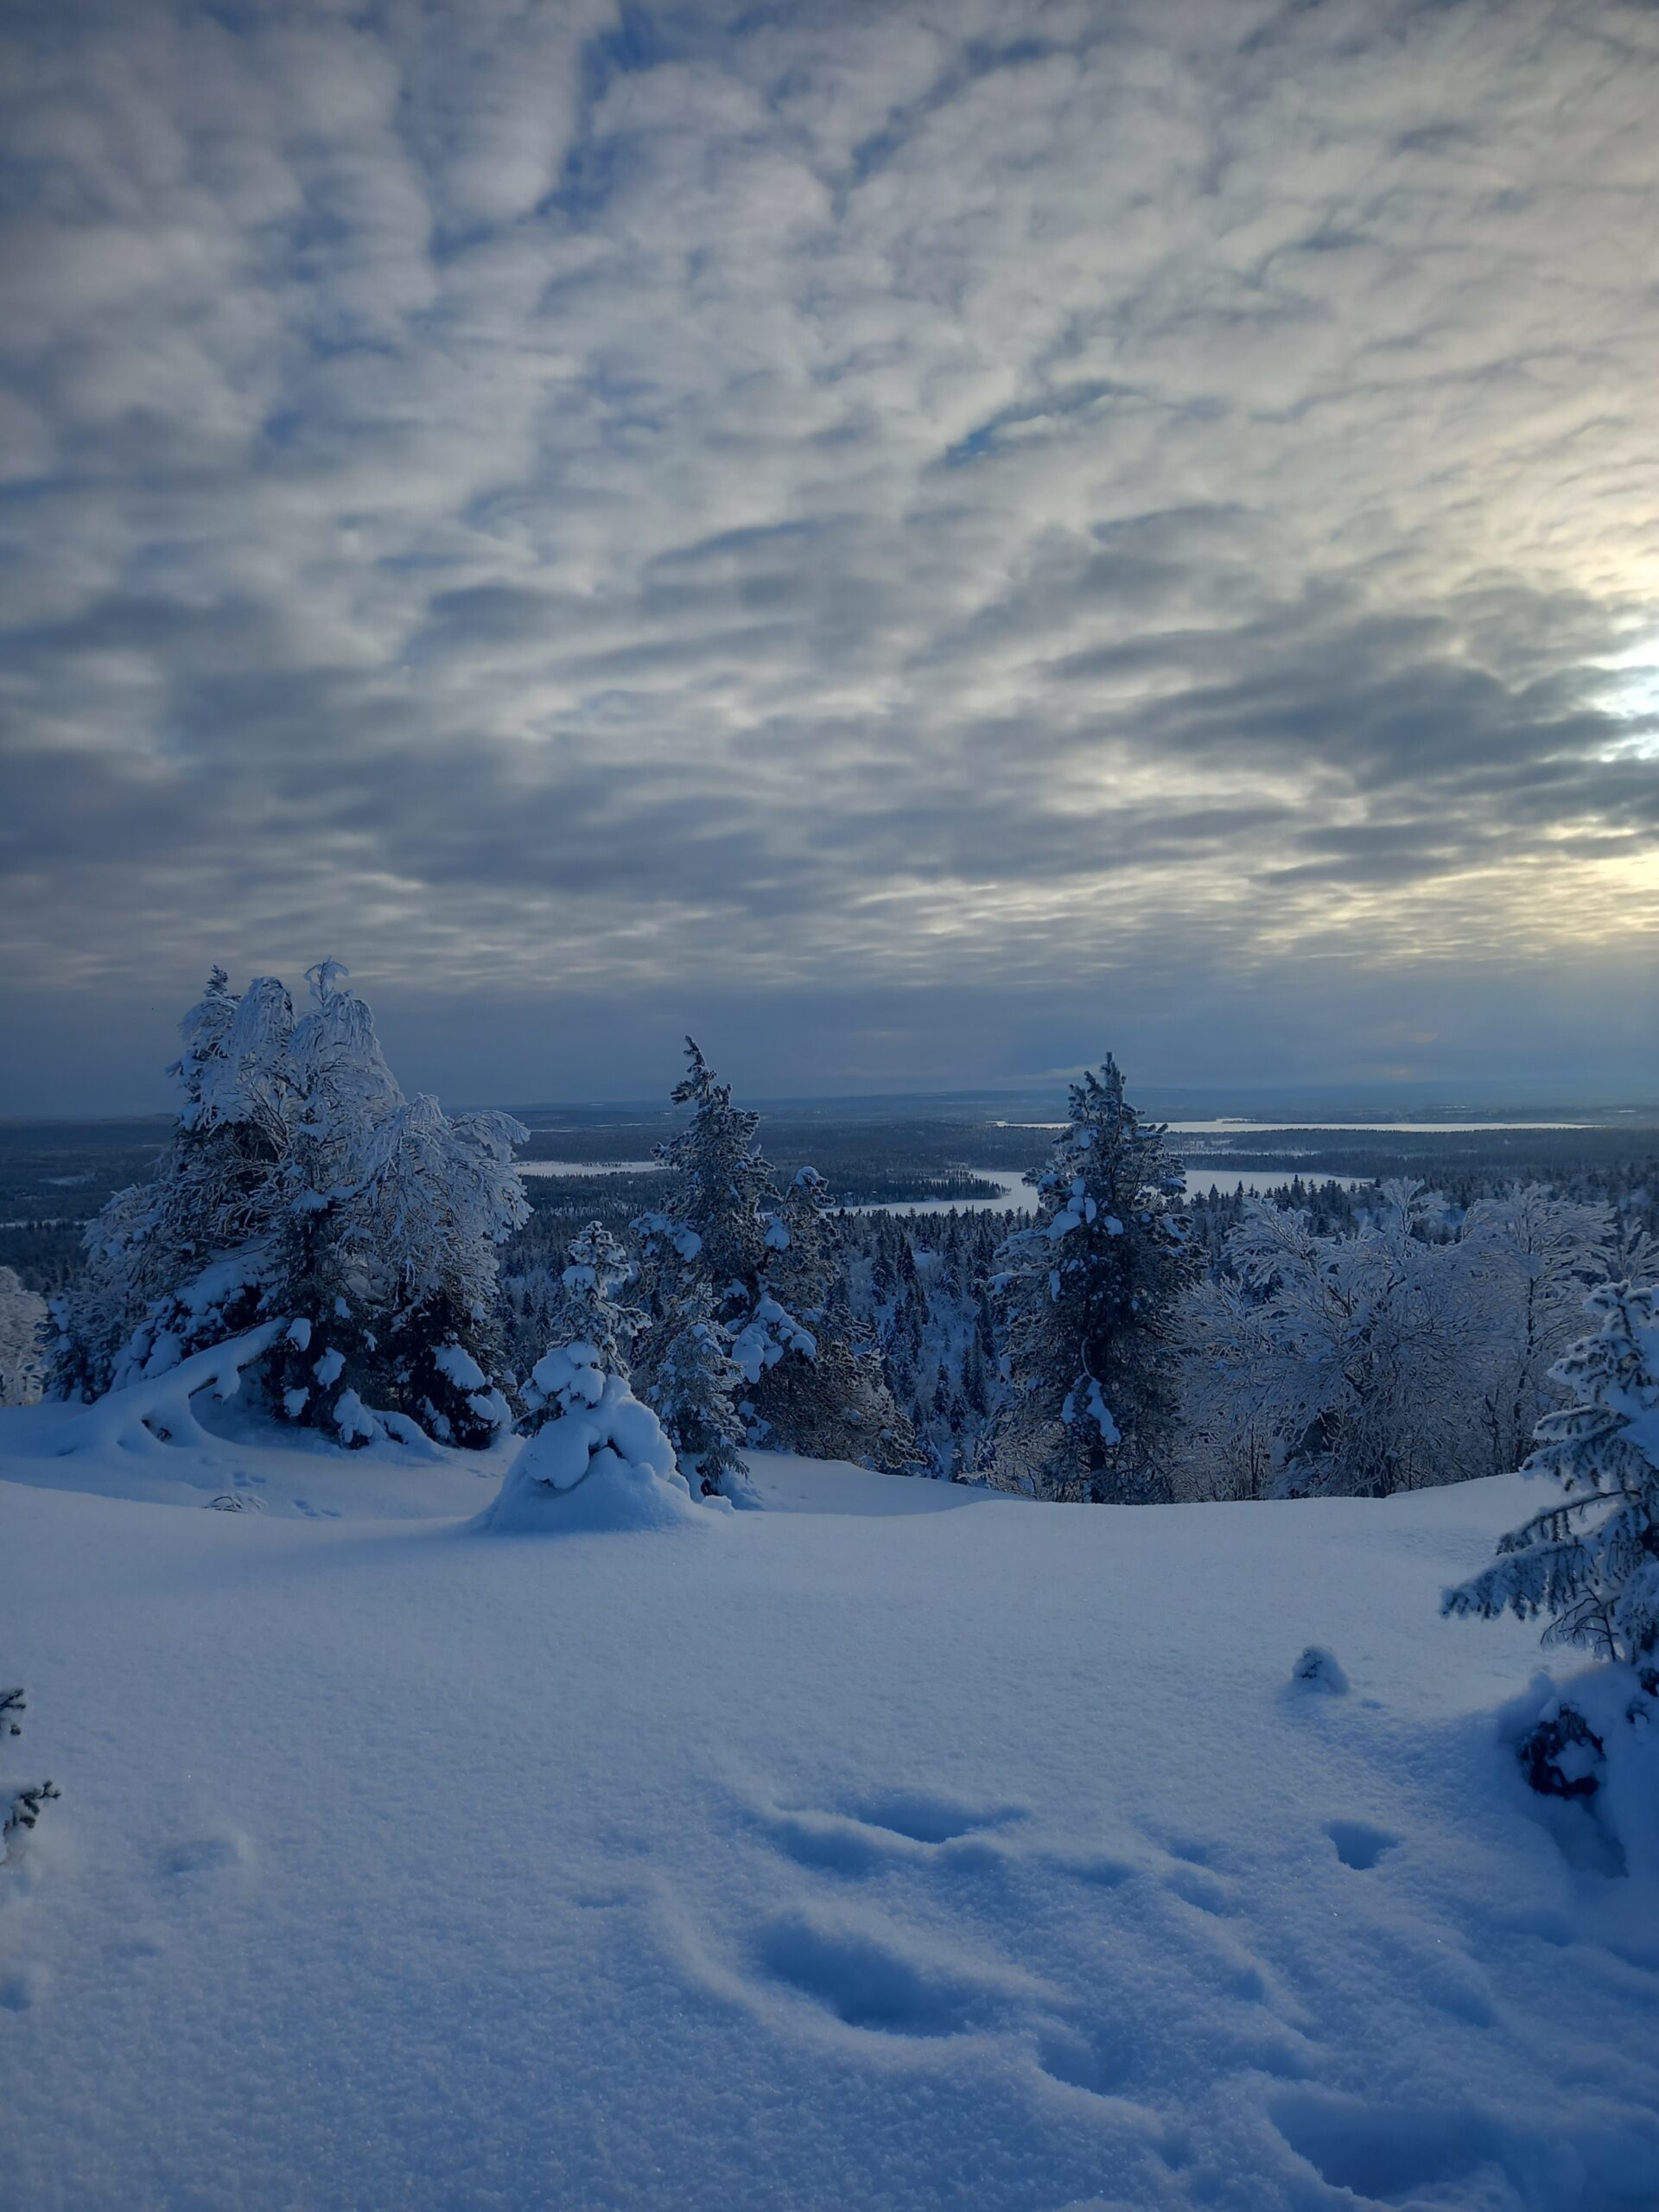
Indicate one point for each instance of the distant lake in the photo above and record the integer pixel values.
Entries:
(591, 1167)
(1233, 1128)
(1016, 1193)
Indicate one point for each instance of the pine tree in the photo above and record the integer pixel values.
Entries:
(1090, 1292)
(1591, 1563)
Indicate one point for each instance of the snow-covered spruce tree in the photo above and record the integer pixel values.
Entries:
(767, 1263)
(177, 1263)
(320, 1272)
(1090, 1293)
(594, 1331)
(385, 1260)
(698, 1385)
(441, 1195)
(301, 1186)
(596, 1457)
(833, 1402)
(1591, 1562)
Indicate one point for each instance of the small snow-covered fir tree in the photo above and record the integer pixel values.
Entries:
(594, 1330)
(1090, 1293)
(1591, 1562)
(698, 1389)
(596, 1457)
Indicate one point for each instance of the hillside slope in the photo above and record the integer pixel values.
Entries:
(897, 1847)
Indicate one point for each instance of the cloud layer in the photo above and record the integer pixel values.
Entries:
(1122, 517)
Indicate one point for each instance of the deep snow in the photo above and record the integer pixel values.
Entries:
(899, 1845)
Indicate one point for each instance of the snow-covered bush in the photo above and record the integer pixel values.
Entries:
(301, 1186)
(1589, 1562)
(1090, 1294)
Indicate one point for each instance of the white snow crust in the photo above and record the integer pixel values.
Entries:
(897, 1847)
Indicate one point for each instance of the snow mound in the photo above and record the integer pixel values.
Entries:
(603, 1466)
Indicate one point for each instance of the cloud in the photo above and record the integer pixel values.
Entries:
(584, 508)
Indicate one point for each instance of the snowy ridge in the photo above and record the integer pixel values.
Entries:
(906, 1847)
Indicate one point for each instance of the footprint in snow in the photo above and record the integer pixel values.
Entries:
(205, 1854)
(20, 1987)
(867, 1977)
(1358, 1844)
(890, 1827)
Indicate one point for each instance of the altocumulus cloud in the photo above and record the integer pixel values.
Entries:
(922, 535)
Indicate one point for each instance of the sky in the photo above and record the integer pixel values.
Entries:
(922, 542)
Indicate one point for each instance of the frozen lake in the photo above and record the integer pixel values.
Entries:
(591, 1167)
(1230, 1126)
(1012, 1190)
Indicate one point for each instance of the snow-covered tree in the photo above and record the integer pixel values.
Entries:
(300, 1184)
(713, 1224)
(831, 1400)
(441, 1195)
(589, 1434)
(1090, 1293)
(698, 1386)
(176, 1264)
(1536, 1255)
(594, 1329)
(1343, 1359)
(765, 1262)
(1411, 1349)
(22, 1316)
(1590, 1561)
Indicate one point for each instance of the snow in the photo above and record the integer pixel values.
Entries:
(462, 1369)
(900, 1845)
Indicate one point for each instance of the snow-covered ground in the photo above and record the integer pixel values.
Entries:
(899, 1845)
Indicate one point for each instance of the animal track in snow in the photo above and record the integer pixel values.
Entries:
(892, 1828)
(924, 1818)
(1098, 2061)
(1358, 1844)
(1389, 2153)
(867, 1980)
(204, 1854)
(1197, 1887)
(20, 1987)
